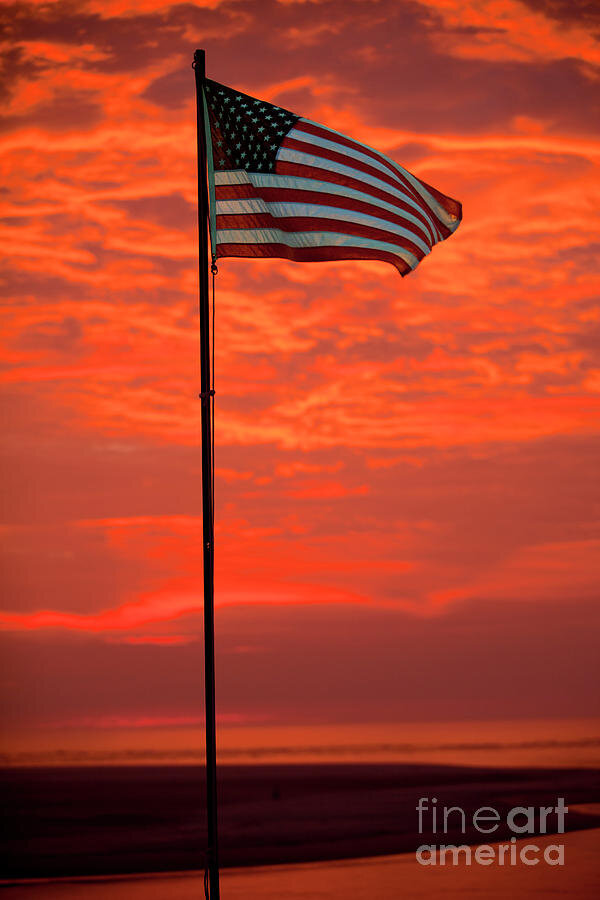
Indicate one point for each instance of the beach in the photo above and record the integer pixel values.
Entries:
(285, 831)
(361, 879)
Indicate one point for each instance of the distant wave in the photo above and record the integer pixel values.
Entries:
(332, 751)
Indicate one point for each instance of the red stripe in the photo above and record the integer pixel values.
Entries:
(311, 254)
(453, 207)
(318, 198)
(342, 158)
(314, 223)
(299, 170)
(235, 191)
(310, 128)
(396, 180)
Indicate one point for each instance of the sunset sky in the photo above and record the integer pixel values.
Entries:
(407, 490)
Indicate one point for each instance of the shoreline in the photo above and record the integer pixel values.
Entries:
(114, 823)
(348, 860)
(361, 878)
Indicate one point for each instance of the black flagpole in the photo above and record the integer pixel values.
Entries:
(207, 493)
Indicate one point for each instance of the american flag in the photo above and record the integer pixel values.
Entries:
(287, 187)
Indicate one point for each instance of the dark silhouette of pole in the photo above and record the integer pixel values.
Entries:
(207, 489)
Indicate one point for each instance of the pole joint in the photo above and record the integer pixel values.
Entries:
(206, 395)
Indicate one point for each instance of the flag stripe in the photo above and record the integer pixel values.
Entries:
(329, 150)
(298, 170)
(311, 199)
(323, 239)
(320, 131)
(392, 173)
(336, 175)
(313, 254)
(284, 187)
(253, 213)
(448, 210)
(316, 223)
(347, 150)
(310, 153)
(308, 217)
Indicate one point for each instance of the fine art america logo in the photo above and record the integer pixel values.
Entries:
(521, 820)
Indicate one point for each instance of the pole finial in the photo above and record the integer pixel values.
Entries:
(199, 63)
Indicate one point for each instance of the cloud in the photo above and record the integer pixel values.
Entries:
(116, 8)
(170, 603)
(417, 670)
(411, 448)
(509, 29)
(159, 640)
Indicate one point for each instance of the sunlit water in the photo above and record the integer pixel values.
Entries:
(573, 743)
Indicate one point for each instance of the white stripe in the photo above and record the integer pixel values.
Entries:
(237, 176)
(449, 221)
(324, 187)
(291, 210)
(310, 239)
(316, 141)
(306, 159)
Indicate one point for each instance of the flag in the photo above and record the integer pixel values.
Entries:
(284, 186)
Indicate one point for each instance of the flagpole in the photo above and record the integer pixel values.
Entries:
(206, 396)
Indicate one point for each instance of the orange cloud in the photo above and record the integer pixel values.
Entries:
(539, 573)
(160, 640)
(327, 490)
(168, 604)
(110, 8)
(381, 443)
(509, 29)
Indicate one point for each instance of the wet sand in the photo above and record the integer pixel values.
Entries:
(359, 879)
